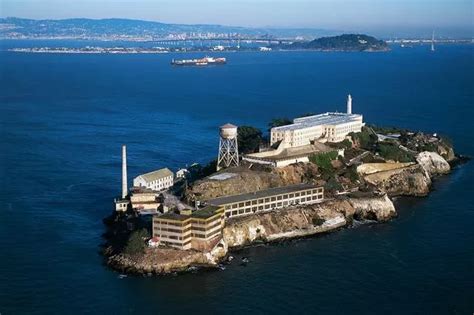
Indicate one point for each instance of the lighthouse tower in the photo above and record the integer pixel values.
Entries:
(349, 104)
(228, 148)
(121, 204)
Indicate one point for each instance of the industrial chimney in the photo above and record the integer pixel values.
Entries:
(124, 172)
(349, 104)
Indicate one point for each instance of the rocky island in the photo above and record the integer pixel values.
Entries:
(345, 42)
(328, 184)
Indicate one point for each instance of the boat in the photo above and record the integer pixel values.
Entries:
(199, 62)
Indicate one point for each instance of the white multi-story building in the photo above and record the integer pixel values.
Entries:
(269, 199)
(327, 127)
(156, 180)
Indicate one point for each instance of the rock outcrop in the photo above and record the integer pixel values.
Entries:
(411, 180)
(433, 163)
(379, 209)
(246, 181)
(305, 221)
(267, 227)
(167, 260)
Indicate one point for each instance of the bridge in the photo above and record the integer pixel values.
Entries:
(228, 40)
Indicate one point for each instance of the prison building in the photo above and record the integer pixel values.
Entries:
(199, 230)
(269, 199)
(327, 127)
(157, 180)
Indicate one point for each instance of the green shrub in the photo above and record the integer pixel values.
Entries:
(391, 151)
(277, 122)
(429, 147)
(317, 221)
(366, 138)
(346, 144)
(352, 174)
(249, 139)
(333, 185)
(136, 242)
(323, 161)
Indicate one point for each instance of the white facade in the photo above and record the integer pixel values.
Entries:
(270, 199)
(158, 180)
(327, 127)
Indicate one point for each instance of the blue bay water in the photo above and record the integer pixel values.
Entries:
(64, 117)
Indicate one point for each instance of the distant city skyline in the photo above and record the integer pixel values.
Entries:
(416, 17)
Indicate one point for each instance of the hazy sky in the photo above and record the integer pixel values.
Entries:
(333, 14)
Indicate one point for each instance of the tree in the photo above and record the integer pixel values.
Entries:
(323, 161)
(249, 139)
(277, 122)
(136, 242)
(367, 139)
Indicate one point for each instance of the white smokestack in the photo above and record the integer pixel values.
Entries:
(349, 104)
(124, 172)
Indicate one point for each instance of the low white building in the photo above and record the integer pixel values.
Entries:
(182, 173)
(327, 127)
(157, 180)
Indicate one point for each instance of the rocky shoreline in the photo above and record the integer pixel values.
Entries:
(296, 222)
(272, 226)
(368, 197)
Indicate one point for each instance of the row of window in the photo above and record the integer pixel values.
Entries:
(188, 237)
(173, 243)
(274, 198)
(274, 205)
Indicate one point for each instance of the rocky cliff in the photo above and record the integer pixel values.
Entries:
(405, 179)
(167, 260)
(270, 226)
(433, 163)
(304, 221)
(412, 180)
(244, 180)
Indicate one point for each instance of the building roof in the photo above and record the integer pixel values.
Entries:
(158, 174)
(206, 212)
(291, 153)
(228, 126)
(203, 213)
(319, 120)
(260, 194)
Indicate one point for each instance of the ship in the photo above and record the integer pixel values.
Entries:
(199, 62)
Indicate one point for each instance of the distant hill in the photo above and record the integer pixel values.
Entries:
(345, 42)
(126, 29)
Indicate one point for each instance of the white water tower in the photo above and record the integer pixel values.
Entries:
(228, 148)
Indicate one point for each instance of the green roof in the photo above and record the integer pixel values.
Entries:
(203, 213)
(206, 212)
